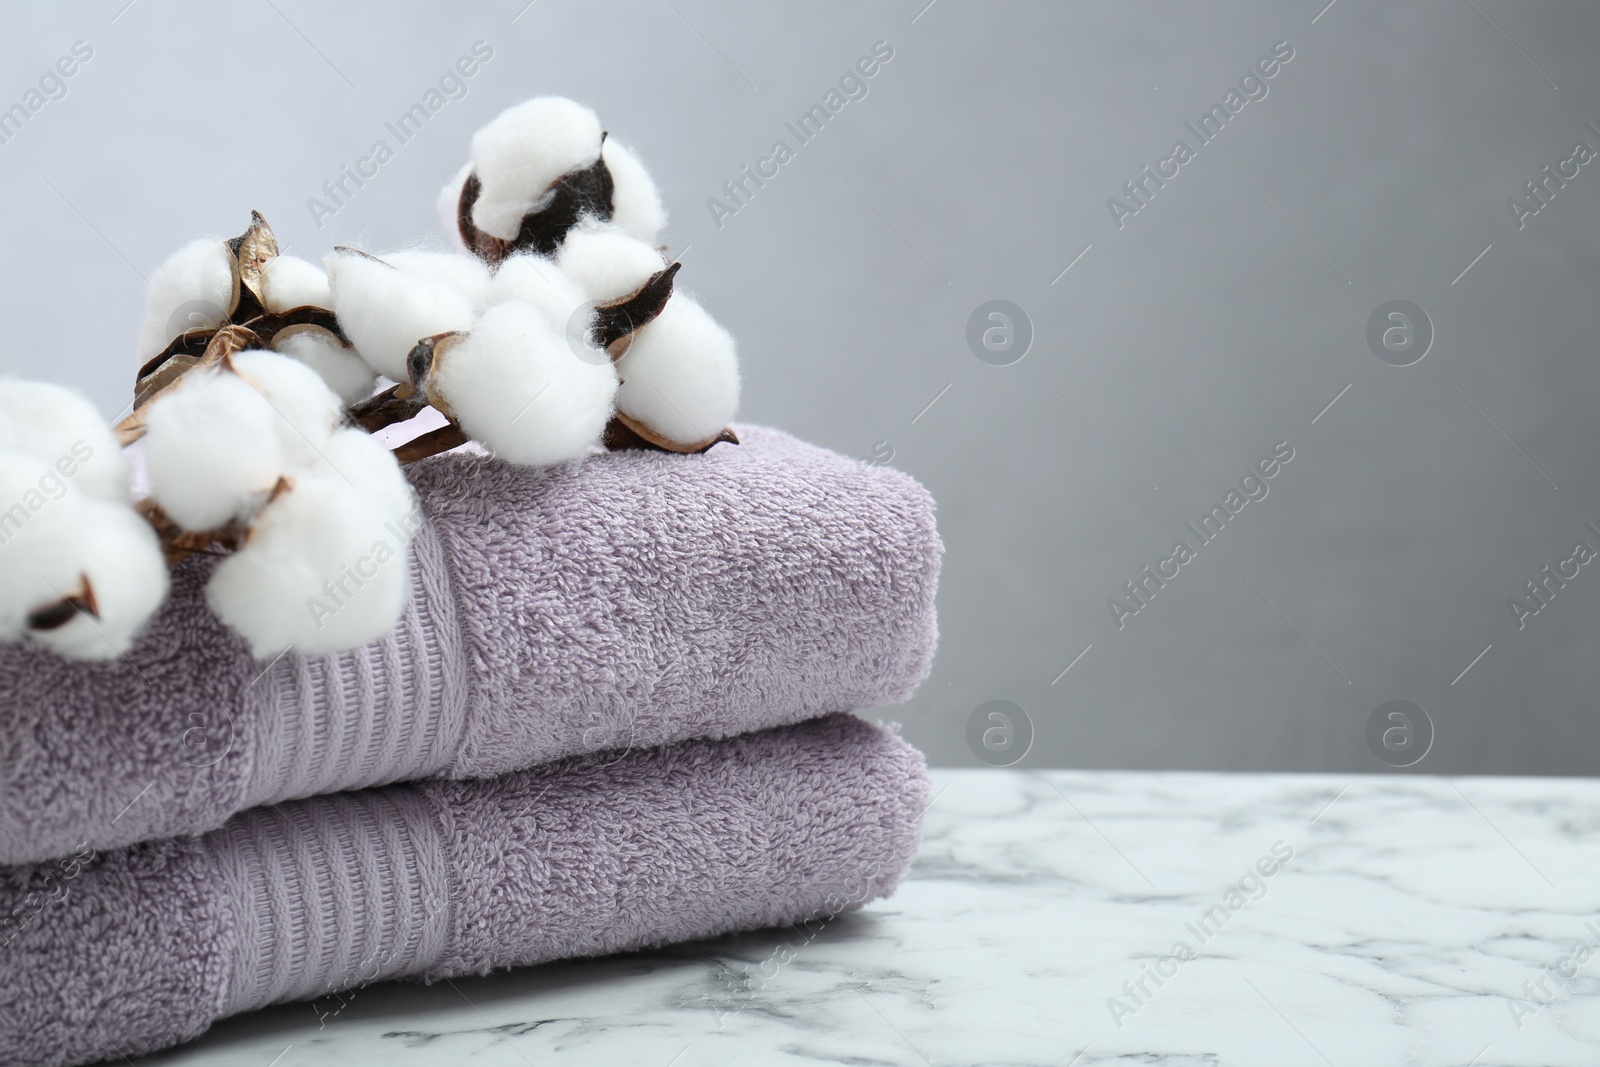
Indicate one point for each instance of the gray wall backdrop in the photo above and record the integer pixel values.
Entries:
(1177, 350)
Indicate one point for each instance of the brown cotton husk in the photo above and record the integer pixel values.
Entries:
(422, 361)
(248, 325)
(615, 323)
(275, 326)
(624, 432)
(188, 343)
(178, 543)
(492, 249)
(54, 616)
(585, 191)
(267, 328)
(167, 376)
(407, 400)
(250, 252)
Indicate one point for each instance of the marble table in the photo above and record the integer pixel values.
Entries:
(1071, 918)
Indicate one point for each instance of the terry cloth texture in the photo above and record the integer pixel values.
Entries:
(630, 599)
(142, 948)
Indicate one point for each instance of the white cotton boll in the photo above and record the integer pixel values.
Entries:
(537, 281)
(515, 384)
(359, 458)
(680, 374)
(636, 207)
(449, 206)
(321, 572)
(121, 557)
(522, 152)
(291, 282)
(62, 428)
(607, 263)
(212, 449)
(468, 275)
(52, 538)
(40, 538)
(308, 411)
(191, 290)
(385, 311)
(341, 368)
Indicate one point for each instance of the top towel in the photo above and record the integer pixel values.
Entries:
(628, 600)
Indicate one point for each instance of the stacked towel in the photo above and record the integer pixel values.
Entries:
(593, 855)
(630, 600)
(696, 618)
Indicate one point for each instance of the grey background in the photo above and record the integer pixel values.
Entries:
(1223, 318)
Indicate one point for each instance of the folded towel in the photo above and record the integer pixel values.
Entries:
(135, 950)
(632, 599)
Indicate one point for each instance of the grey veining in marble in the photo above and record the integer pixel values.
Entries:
(1416, 920)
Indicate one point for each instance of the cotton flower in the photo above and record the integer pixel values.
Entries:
(213, 449)
(124, 580)
(62, 428)
(252, 452)
(291, 282)
(268, 300)
(537, 170)
(79, 574)
(607, 264)
(308, 411)
(322, 570)
(193, 289)
(680, 376)
(356, 457)
(679, 368)
(525, 150)
(288, 282)
(385, 311)
(467, 275)
(537, 281)
(341, 369)
(39, 529)
(515, 384)
(217, 445)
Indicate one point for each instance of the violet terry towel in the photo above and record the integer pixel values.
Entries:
(631, 599)
(136, 950)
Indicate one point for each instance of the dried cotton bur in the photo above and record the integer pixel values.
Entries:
(208, 305)
(287, 283)
(555, 327)
(80, 571)
(251, 456)
(240, 408)
(678, 367)
(546, 187)
(540, 167)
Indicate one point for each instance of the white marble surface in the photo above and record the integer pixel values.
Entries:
(1401, 931)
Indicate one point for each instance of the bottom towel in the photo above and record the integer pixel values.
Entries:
(115, 954)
